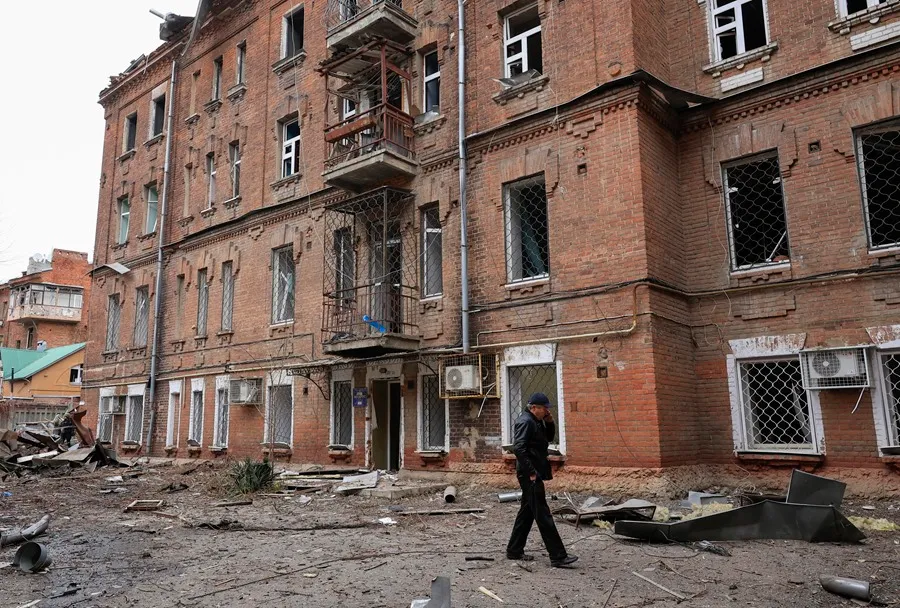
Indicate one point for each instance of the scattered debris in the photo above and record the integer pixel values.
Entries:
(387, 521)
(870, 523)
(354, 483)
(30, 604)
(442, 512)
(490, 594)
(378, 565)
(70, 589)
(524, 566)
(233, 503)
(478, 558)
(633, 510)
(32, 557)
(609, 595)
(510, 496)
(666, 589)
(26, 534)
(847, 587)
(699, 499)
(868, 508)
(809, 489)
(705, 545)
(145, 505)
(450, 494)
(116, 479)
(440, 595)
(174, 487)
(707, 509)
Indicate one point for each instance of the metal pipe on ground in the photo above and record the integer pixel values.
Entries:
(510, 496)
(450, 494)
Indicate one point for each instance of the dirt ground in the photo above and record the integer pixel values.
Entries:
(141, 559)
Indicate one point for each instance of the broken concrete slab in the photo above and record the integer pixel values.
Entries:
(396, 492)
(79, 455)
(354, 483)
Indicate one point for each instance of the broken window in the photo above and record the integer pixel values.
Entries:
(431, 83)
(891, 372)
(195, 424)
(141, 316)
(342, 415)
(292, 36)
(105, 418)
(522, 42)
(130, 132)
(158, 115)
(849, 7)
(113, 314)
(775, 406)
(202, 302)
(433, 416)
(210, 179)
(522, 382)
(738, 26)
(345, 270)
(240, 62)
(283, 284)
(280, 415)
(757, 226)
(227, 296)
(234, 157)
(217, 78)
(75, 374)
(527, 240)
(134, 418)
(432, 254)
(29, 338)
(151, 195)
(220, 419)
(290, 149)
(878, 157)
(124, 206)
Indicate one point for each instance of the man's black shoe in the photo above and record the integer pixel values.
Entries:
(521, 557)
(564, 562)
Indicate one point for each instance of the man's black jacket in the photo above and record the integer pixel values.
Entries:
(530, 440)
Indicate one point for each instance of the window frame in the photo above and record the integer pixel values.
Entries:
(140, 338)
(113, 323)
(276, 267)
(523, 38)
(210, 180)
(221, 413)
(240, 65)
(737, 25)
(218, 66)
(843, 10)
(507, 228)
(427, 78)
(426, 230)
(290, 148)
(135, 391)
(129, 140)
(227, 320)
(152, 203)
(173, 410)
(421, 442)
(202, 303)
(887, 429)
(892, 124)
(288, 29)
(79, 374)
(277, 378)
(234, 160)
(158, 115)
(123, 208)
(332, 439)
(526, 356)
(344, 255)
(198, 387)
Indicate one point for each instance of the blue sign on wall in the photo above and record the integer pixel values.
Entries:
(360, 397)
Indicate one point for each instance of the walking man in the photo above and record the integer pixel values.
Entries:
(532, 433)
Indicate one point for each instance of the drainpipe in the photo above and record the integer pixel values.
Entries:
(463, 219)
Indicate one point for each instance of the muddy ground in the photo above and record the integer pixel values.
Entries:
(118, 559)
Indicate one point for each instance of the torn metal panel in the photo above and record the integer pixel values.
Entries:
(761, 521)
(809, 489)
(440, 595)
(634, 509)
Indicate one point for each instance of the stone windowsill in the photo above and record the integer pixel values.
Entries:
(283, 65)
(148, 236)
(212, 106)
(154, 140)
(137, 349)
(780, 459)
(171, 448)
(237, 92)
(277, 451)
(432, 454)
(119, 246)
(774, 267)
(872, 15)
(554, 459)
(286, 181)
(129, 446)
(208, 212)
(232, 202)
(225, 332)
(884, 253)
(218, 449)
(340, 454)
(427, 126)
(192, 118)
(763, 53)
(527, 283)
(535, 84)
(183, 222)
(194, 449)
(199, 341)
(126, 155)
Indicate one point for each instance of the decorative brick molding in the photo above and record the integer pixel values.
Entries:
(283, 65)
(236, 93)
(212, 106)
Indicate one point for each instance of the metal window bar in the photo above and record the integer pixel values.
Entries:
(283, 285)
(339, 12)
(527, 230)
(434, 415)
(757, 225)
(524, 381)
(220, 436)
(345, 267)
(342, 414)
(891, 370)
(202, 302)
(878, 157)
(775, 406)
(195, 430)
(141, 316)
(113, 314)
(105, 420)
(135, 418)
(280, 415)
(227, 296)
(432, 254)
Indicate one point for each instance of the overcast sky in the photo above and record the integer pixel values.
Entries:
(53, 135)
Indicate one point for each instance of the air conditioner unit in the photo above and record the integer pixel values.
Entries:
(835, 368)
(462, 378)
(245, 391)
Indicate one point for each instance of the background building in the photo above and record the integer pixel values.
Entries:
(682, 226)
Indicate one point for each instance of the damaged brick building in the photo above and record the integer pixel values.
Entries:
(683, 224)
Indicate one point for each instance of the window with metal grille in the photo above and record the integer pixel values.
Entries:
(522, 42)
(432, 254)
(345, 271)
(431, 83)
(220, 420)
(105, 419)
(240, 62)
(292, 33)
(234, 156)
(891, 371)
(210, 180)
(113, 314)
(527, 241)
(280, 415)
(774, 405)
(342, 414)
(227, 296)
(130, 132)
(738, 26)
(217, 78)
(202, 302)
(151, 195)
(524, 381)
(878, 157)
(757, 226)
(134, 418)
(290, 148)
(195, 424)
(849, 7)
(124, 207)
(433, 416)
(283, 284)
(141, 316)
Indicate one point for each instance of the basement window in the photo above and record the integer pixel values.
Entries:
(527, 231)
(774, 406)
(850, 7)
(522, 42)
(738, 27)
(292, 33)
(757, 226)
(878, 159)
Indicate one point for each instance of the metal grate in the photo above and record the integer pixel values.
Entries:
(283, 284)
(434, 415)
(342, 415)
(195, 428)
(775, 406)
(220, 434)
(227, 296)
(835, 368)
(527, 234)
(135, 418)
(202, 302)
(141, 316)
(879, 169)
(432, 255)
(524, 381)
(339, 12)
(113, 314)
(281, 415)
(757, 228)
(891, 365)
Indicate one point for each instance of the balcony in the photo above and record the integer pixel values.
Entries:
(44, 312)
(350, 23)
(370, 293)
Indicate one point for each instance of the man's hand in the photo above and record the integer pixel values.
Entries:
(548, 416)
(533, 477)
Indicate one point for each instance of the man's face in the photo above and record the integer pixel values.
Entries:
(539, 411)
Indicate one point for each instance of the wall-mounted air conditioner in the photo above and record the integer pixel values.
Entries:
(835, 368)
(246, 391)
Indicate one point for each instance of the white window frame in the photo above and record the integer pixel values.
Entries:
(737, 25)
(343, 375)
(197, 386)
(234, 158)
(426, 230)
(420, 410)
(218, 66)
(105, 410)
(276, 306)
(426, 78)
(507, 229)
(521, 356)
(892, 125)
(172, 413)
(211, 180)
(277, 378)
(79, 374)
(286, 31)
(123, 206)
(134, 391)
(221, 415)
(523, 37)
(240, 63)
(141, 297)
(886, 432)
(843, 11)
(289, 148)
(154, 202)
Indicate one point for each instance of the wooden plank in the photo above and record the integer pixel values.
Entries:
(441, 512)
(360, 124)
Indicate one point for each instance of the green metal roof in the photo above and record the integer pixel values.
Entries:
(29, 362)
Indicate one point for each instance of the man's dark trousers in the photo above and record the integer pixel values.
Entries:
(534, 507)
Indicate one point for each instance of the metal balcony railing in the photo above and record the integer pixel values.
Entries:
(383, 127)
(339, 12)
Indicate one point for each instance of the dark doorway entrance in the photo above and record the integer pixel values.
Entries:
(386, 425)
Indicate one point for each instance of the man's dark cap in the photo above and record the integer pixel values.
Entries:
(539, 399)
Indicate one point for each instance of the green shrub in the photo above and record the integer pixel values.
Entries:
(248, 476)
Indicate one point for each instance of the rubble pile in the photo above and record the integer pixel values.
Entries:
(30, 450)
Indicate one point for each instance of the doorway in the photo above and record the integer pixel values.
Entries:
(386, 425)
